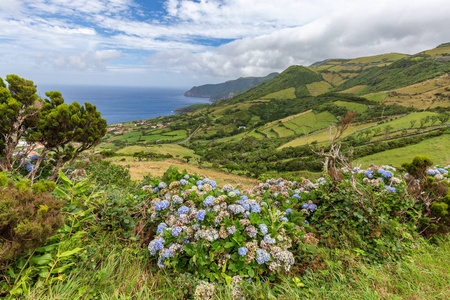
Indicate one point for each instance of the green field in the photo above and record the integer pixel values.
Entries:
(377, 58)
(377, 97)
(435, 148)
(318, 88)
(175, 150)
(283, 94)
(323, 136)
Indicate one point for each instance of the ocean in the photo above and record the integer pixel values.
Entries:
(123, 104)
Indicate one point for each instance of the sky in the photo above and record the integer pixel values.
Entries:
(182, 43)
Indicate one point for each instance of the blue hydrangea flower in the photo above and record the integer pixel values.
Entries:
(390, 189)
(242, 251)
(162, 185)
(306, 222)
(263, 228)
(369, 174)
(168, 254)
(29, 167)
(431, 172)
(305, 206)
(284, 219)
(312, 207)
(160, 228)
(209, 201)
(176, 231)
(201, 215)
(296, 196)
(288, 211)
(155, 190)
(236, 192)
(262, 256)
(442, 170)
(34, 157)
(380, 171)
(186, 176)
(244, 197)
(156, 245)
(162, 205)
(387, 174)
(183, 210)
(255, 207)
(269, 240)
(183, 182)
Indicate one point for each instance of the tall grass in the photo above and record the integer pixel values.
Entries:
(127, 273)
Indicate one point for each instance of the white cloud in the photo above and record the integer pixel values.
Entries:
(266, 35)
(358, 30)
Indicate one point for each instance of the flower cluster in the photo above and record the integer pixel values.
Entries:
(249, 228)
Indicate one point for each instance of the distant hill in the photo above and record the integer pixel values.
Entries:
(229, 89)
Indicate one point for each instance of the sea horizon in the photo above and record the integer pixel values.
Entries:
(124, 104)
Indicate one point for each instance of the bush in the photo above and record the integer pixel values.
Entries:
(26, 220)
(216, 233)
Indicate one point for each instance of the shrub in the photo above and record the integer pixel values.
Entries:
(26, 220)
(222, 233)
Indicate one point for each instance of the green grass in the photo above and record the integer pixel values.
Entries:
(377, 58)
(175, 150)
(377, 97)
(283, 131)
(283, 94)
(359, 108)
(435, 148)
(123, 270)
(318, 88)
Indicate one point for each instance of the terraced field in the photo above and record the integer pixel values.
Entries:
(318, 88)
(323, 136)
(436, 148)
(283, 94)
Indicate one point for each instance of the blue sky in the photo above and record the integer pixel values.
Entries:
(182, 43)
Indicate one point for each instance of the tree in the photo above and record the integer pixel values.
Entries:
(56, 129)
(51, 122)
(19, 108)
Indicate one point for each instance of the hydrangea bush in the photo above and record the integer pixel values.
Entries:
(232, 234)
(224, 232)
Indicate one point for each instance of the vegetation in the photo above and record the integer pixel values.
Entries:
(323, 229)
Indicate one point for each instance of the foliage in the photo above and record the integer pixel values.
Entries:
(27, 218)
(105, 173)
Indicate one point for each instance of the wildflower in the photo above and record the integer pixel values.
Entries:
(183, 210)
(242, 251)
(176, 231)
(201, 215)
